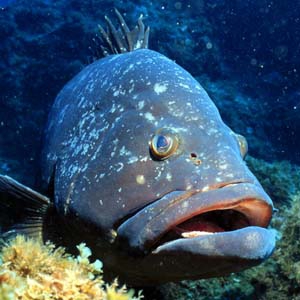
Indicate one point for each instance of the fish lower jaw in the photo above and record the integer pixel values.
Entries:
(251, 243)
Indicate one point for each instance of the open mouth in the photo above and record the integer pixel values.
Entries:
(182, 215)
(207, 223)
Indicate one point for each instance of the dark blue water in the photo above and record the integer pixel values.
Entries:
(5, 3)
(245, 53)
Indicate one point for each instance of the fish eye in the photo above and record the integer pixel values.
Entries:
(163, 145)
(243, 145)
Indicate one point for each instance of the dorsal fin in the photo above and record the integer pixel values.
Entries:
(123, 40)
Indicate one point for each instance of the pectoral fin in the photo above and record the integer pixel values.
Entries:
(22, 210)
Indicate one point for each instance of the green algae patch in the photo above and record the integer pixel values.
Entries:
(31, 270)
(280, 179)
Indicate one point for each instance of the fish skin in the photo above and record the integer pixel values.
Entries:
(94, 154)
(97, 141)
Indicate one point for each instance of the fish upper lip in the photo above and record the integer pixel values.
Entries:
(144, 229)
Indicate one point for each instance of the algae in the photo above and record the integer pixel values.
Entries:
(280, 179)
(31, 270)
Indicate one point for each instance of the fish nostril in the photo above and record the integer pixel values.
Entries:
(194, 158)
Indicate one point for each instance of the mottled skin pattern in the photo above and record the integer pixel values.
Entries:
(97, 141)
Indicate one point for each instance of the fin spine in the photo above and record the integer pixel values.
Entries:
(122, 40)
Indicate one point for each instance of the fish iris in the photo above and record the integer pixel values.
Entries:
(163, 146)
(162, 143)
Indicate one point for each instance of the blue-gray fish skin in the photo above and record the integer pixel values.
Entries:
(197, 213)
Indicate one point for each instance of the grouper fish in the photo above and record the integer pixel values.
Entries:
(139, 165)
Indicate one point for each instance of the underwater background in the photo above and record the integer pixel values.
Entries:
(246, 54)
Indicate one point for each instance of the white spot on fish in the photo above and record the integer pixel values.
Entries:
(189, 187)
(160, 88)
(158, 175)
(141, 104)
(124, 152)
(81, 101)
(149, 116)
(223, 167)
(85, 149)
(205, 188)
(145, 158)
(185, 205)
(184, 86)
(211, 131)
(131, 88)
(140, 179)
(121, 166)
(72, 170)
(132, 160)
(169, 176)
(113, 108)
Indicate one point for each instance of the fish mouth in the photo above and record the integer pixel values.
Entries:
(225, 217)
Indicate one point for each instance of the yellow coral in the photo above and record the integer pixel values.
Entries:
(31, 270)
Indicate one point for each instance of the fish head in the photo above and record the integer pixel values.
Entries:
(168, 185)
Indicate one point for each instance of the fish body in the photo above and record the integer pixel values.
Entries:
(144, 170)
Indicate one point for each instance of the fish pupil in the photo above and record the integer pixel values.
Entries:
(162, 143)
